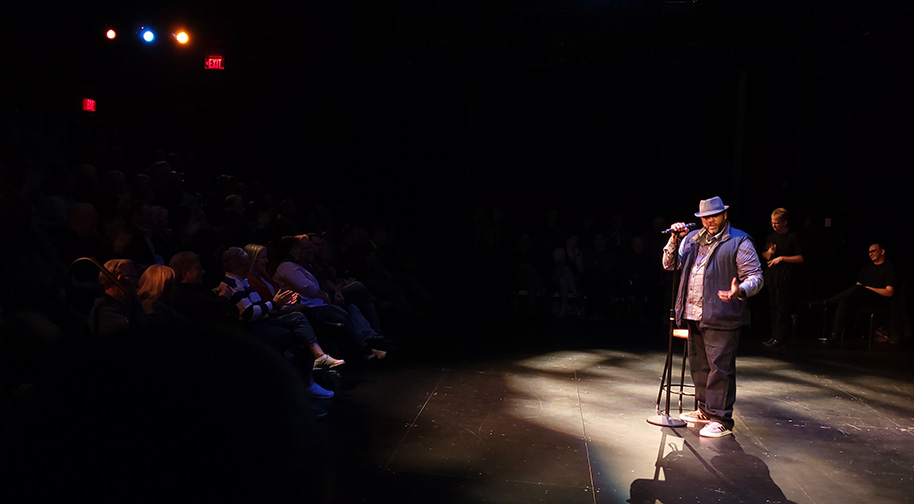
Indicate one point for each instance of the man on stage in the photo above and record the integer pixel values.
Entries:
(720, 271)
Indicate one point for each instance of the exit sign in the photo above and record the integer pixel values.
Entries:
(214, 63)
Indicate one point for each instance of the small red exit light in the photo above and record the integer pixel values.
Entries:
(214, 63)
(88, 105)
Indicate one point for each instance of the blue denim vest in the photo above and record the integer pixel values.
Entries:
(719, 272)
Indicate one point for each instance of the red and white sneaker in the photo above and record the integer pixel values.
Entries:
(696, 416)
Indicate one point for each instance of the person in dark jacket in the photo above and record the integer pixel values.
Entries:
(720, 271)
(117, 308)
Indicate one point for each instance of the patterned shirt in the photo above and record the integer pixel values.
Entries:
(250, 306)
(748, 265)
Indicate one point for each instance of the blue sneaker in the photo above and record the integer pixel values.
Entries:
(319, 392)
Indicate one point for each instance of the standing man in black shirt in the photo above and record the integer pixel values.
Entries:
(782, 252)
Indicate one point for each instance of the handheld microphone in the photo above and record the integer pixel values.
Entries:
(689, 226)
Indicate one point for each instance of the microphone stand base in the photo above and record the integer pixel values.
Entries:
(665, 420)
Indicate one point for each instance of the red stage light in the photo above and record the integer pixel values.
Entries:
(111, 34)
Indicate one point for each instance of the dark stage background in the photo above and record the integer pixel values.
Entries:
(423, 112)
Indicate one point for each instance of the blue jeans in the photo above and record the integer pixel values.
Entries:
(356, 293)
(355, 345)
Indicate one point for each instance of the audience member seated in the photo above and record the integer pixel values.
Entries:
(156, 292)
(259, 280)
(259, 277)
(289, 333)
(599, 276)
(346, 292)
(214, 204)
(233, 226)
(641, 281)
(117, 308)
(391, 261)
(288, 219)
(80, 239)
(192, 298)
(133, 236)
(291, 275)
(876, 282)
(189, 227)
(112, 191)
(362, 258)
(618, 235)
(527, 276)
(261, 216)
(568, 264)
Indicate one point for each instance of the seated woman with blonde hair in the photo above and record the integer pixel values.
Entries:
(156, 291)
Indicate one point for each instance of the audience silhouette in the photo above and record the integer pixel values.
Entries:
(292, 276)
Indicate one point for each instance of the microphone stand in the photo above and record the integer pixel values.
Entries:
(662, 417)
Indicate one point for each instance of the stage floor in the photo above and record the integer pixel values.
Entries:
(563, 419)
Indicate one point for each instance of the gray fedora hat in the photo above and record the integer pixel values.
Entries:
(712, 206)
